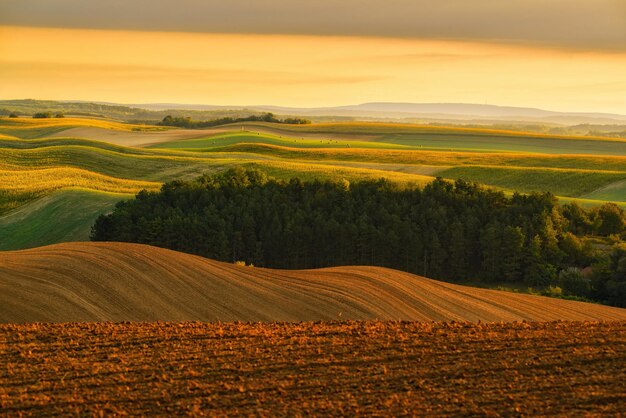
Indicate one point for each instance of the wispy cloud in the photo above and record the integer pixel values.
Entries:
(60, 71)
(574, 24)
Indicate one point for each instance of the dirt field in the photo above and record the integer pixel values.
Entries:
(129, 282)
(329, 368)
(133, 138)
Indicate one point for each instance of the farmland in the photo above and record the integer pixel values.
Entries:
(132, 282)
(44, 157)
(290, 209)
(314, 368)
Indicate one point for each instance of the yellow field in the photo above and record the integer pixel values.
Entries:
(29, 123)
(37, 128)
(50, 179)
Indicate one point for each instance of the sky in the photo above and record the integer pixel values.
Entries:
(552, 54)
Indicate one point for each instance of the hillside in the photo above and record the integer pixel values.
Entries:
(117, 282)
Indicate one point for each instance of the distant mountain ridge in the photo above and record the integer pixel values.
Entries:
(463, 111)
(434, 112)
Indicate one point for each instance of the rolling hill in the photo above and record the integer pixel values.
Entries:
(42, 159)
(117, 282)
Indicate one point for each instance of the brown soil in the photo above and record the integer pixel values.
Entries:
(130, 282)
(133, 138)
(327, 368)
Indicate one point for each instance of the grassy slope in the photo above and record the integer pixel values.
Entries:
(429, 157)
(614, 192)
(231, 138)
(455, 138)
(63, 216)
(571, 183)
(50, 179)
(444, 139)
(119, 281)
(28, 128)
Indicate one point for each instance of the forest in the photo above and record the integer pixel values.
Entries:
(454, 231)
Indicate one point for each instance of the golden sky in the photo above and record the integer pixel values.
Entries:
(556, 72)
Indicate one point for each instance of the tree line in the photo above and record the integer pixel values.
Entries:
(187, 122)
(46, 115)
(454, 231)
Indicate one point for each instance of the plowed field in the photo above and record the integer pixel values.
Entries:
(328, 368)
(130, 282)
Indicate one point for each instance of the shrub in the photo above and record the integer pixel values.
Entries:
(573, 283)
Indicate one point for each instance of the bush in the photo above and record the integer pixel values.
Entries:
(573, 283)
(553, 292)
(611, 219)
(42, 115)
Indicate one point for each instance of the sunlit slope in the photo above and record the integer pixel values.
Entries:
(251, 137)
(29, 128)
(408, 156)
(563, 182)
(445, 138)
(18, 187)
(63, 216)
(378, 135)
(115, 282)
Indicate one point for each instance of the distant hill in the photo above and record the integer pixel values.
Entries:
(455, 111)
(447, 113)
(135, 113)
(117, 281)
(502, 117)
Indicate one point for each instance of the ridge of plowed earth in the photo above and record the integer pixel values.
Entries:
(131, 282)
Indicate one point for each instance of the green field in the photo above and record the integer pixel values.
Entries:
(42, 176)
(63, 216)
(246, 137)
(454, 139)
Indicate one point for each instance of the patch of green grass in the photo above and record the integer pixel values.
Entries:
(611, 192)
(155, 167)
(17, 187)
(307, 171)
(511, 144)
(233, 138)
(446, 138)
(570, 183)
(429, 157)
(393, 128)
(62, 216)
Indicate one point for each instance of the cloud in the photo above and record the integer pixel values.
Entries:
(575, 24)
